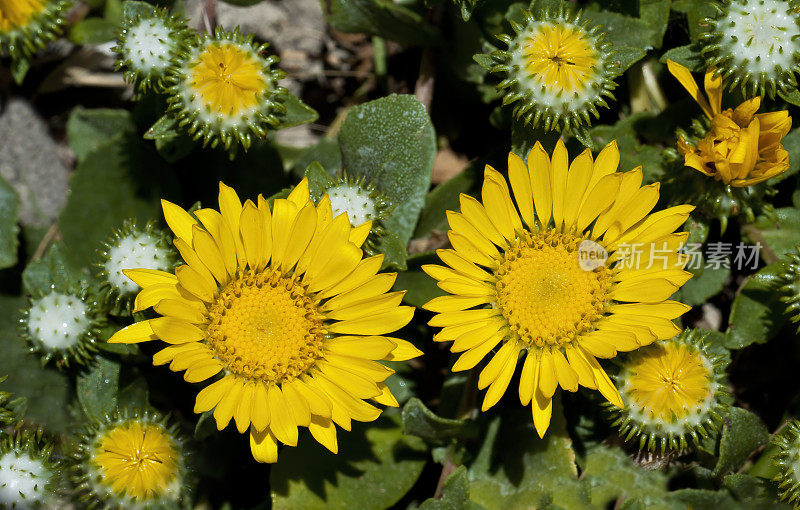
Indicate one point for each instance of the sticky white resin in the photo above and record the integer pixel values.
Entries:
(353, 201)
(57, 321)
(22, 481)
(148, 46)
(135, 251)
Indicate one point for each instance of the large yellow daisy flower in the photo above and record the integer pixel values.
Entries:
(279, 301)
(742, 147)
(538, 281)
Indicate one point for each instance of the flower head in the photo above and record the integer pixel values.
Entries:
(556, 69)
(132, 459)
(755, 44)
(63, 325)
(148, 45)
(226, 91)
(28, 471)
(279, 302)
(741, 147)
(673, 392)
(27, 25)
(555, 278)
(131, 246)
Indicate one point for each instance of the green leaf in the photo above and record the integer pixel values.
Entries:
(19, 69)
(687, 56)
(632, 153)
(131, 8)
(9, 230)
(297, 113)
(325, 153)
(756, 312)
(706, 282)
(87, 130)
(105, 191)
(455, 494)
(52, 269)
(391, 142)
(383, 18)
(514, 468)
(612, 476)
(394, 249)
(97, 387)
(484, 60)
(420, 421)
(420, 288)
(742, 433)
(93, 31)
(624, 30)
(696, 12)
(443, 198)
(46, 390)
(626, 56)
(791, 97)
(319, 180)
(780, 232)
(752, 490)
(375, 467)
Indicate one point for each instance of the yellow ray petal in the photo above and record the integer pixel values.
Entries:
(281, 421)
(521, 185)
(178, 220)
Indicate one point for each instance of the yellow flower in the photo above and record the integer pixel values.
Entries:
(741, 147)
(561, 58)
(228, 79)
(669, 380)
(15, 14)
(225, 90)
(281, 303)
(673, 391)
(546, 288)
(138, 459)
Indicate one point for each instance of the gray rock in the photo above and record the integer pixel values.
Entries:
(292, 25)
(29, 161)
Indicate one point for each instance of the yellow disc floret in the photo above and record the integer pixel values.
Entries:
(228, 79)
(560, 57)
(138, 459)
(669, 381)
(543, 292)
(264, 326)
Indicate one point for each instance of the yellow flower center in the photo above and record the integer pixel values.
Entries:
(18, 13)
(560, 57)
(544, 294)
(669, 380)
(137, 459)
(264, 326)
(227, 79)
